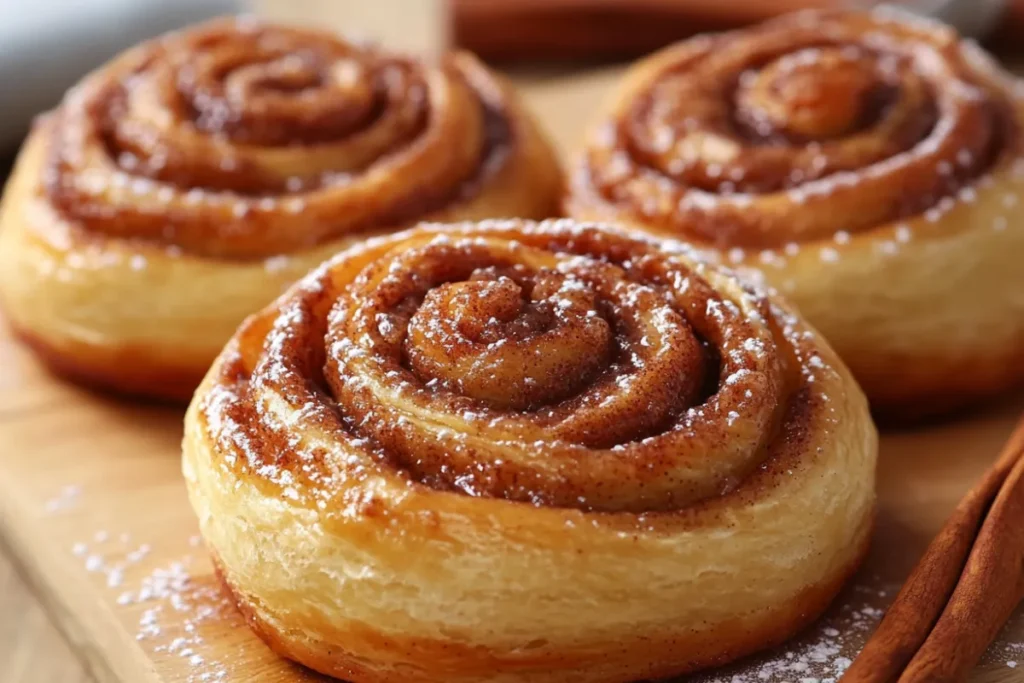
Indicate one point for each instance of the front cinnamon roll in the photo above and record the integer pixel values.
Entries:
(184, 184)
(868, 165)
(528, 452)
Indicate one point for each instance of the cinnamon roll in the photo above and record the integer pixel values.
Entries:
(868, 165)
(528, 452)
(185, 184)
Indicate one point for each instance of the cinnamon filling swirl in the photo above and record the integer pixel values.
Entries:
(242, 140)
(561, 367)
(796, 129)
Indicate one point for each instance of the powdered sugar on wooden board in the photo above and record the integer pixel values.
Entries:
(824, 653)
(177, 612)
(175, 608)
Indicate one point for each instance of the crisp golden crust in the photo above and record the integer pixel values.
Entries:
(379, 510)
(648, 656)
(187, 182)
(120, 369)
(865, 164)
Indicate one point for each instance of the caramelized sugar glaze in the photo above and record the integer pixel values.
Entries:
(241, 140)
(797, 129)
(817, 149)
(262, 149)
(510, 433)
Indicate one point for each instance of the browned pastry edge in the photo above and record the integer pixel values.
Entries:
(898, 387)
(745, 640)
(129, 371)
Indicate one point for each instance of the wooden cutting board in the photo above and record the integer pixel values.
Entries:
(93, 508)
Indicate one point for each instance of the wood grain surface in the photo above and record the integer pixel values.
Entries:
(31, 648)
(93, 512)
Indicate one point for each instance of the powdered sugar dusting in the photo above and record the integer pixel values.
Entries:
(64, 500)
(277, 264)
(828, 649)
(824, 653)
(171, 606)
(173, 627)
(689, 182)
(171, 611)
(1007, 653)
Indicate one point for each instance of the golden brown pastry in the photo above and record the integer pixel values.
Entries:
(183, 185)
(867, 165)
(511, 451)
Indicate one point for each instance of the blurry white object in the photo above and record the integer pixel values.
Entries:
(971, 18)
(47, 45)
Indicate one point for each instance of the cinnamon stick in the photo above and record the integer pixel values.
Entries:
(962, 591)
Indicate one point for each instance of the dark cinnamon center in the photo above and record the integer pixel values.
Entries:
(511, 344)
(815, 93)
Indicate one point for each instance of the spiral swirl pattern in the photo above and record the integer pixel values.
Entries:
(189, 181)
(793, 131)
(242, 140)
(459, 357)
(595, 445)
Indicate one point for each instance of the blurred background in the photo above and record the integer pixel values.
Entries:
(622, 29)
(46, 45)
